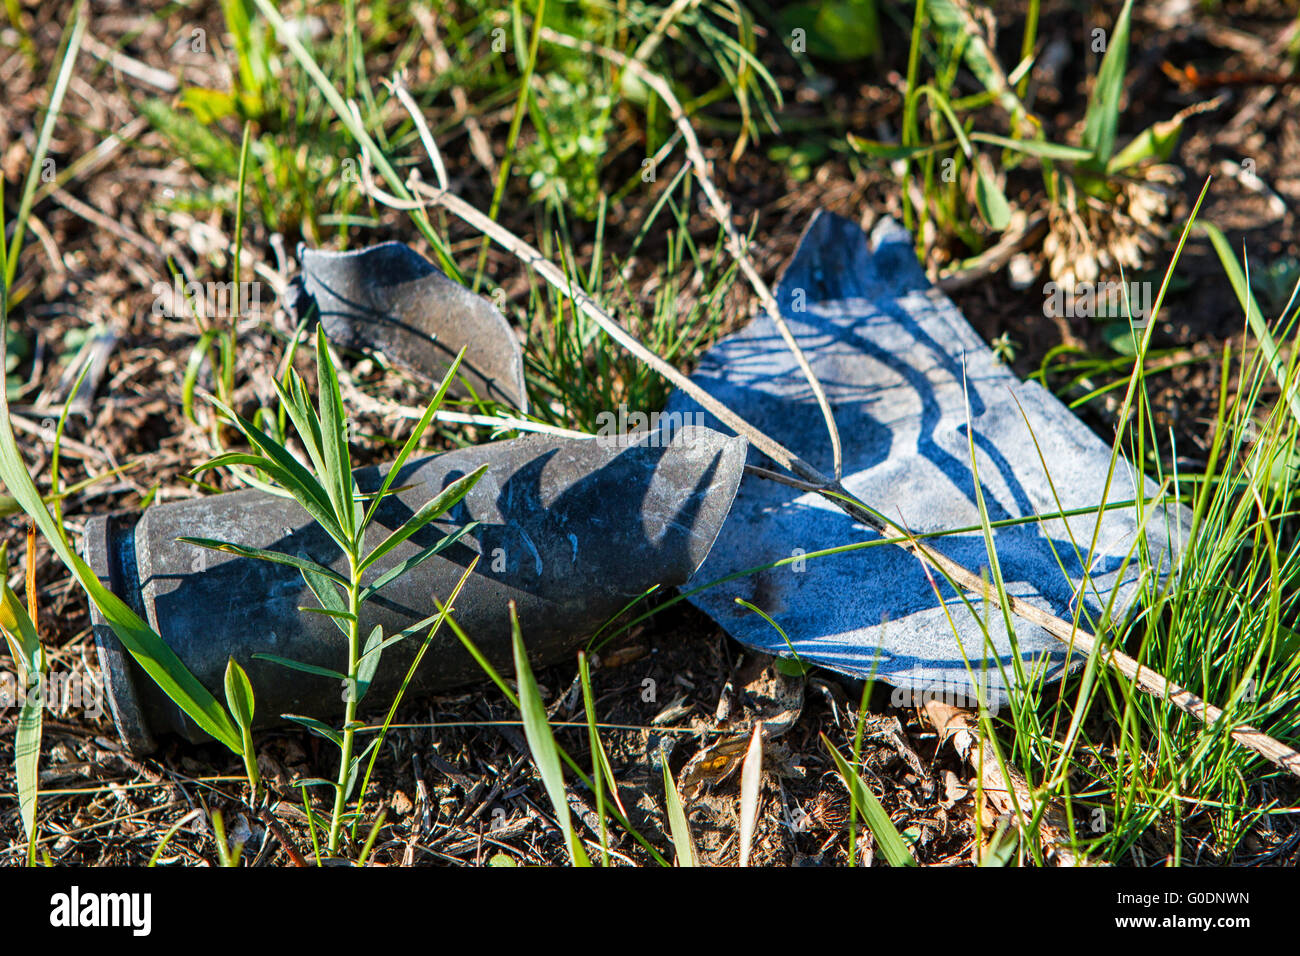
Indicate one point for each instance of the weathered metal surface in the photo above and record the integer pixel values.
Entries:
(898, 362)
(570, 530)
(390, 299)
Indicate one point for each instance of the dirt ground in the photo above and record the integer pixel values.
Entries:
(459, 787)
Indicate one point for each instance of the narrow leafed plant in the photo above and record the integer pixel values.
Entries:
(679, 826)
(328, 492)
(861, 800)
(541, 741)
(239, 698)
(25, 648)
(228, 853)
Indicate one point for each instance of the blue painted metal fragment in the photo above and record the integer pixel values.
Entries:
(899, 365)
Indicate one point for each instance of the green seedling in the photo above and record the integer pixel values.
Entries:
(327, 491)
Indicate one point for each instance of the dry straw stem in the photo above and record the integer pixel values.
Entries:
(1077, 639)
(129, 66)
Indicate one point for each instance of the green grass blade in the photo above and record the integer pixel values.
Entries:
(172, 830)
(227, 855)
(370, 840)
(69, 58)
(334, 436)
(232, 329)
(413, 441)
(261, 554)
(1254, 317)
(443, 502)
(1102, 118)
(891, 843)
(1041, 149)
(599, 760)
(678, 826)
(777, 627)
(541, 742)
(192, 368)
(413, 562)
(892, 151)
(311, 822)
(945, 108)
